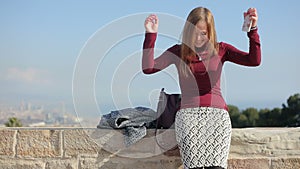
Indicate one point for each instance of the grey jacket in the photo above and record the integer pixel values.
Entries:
(133, 122)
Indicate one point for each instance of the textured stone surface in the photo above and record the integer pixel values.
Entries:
(265, 142)
(147, 163)
(74, 148)
(77, 142)
(113, 142)
(171, 163)
(109, 161)
(7, 142)
(21, 164)
(289, 163)
(62, 164)
(88, 163)
(248, 164)
(38, 143)
(104, 159)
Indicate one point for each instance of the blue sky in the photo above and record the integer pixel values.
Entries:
(42, 41)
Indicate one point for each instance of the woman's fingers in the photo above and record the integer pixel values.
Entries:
(152, 18)
(151, 23)
(252, 12)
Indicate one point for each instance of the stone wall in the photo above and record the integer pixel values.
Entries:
(77, 148)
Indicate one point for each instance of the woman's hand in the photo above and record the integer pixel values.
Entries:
(253, 16)
(151, 23)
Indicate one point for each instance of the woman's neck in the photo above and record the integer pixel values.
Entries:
(201, 49)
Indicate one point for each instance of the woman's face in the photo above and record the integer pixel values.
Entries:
(200, 34)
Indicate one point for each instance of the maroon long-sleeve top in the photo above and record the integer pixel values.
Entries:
(202, 87)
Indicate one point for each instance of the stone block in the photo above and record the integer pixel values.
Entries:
(79, 148)
(171, 163)
(21, 164)
(7, 143)
(265, 142)
(113, 142)
(77, 142)
(39, 143)
(253, 163)
(286, 163)
(62, 164)
(109, 161)
(242, 149)
(88, 163)
(144, 164)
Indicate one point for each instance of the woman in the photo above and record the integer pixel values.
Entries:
(202, 125)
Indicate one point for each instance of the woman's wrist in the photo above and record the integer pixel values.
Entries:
(253, 27)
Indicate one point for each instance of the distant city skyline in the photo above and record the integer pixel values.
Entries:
(31, 115)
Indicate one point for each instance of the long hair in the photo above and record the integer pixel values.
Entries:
(199, 14)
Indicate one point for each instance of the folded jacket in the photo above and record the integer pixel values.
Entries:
(133, 121)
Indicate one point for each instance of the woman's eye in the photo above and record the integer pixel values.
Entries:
(201, 34)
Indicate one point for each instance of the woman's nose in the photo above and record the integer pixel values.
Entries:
(199, 37)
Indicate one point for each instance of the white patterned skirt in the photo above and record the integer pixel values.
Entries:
(203, 135)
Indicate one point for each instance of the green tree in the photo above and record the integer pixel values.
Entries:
(242, 121)
(270, 118)
(263, 117)
(291, 112)
(287, 116)
(252, 116)
(234, 114)
(13, 122)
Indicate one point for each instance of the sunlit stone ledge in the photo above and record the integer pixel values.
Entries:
(86, 148)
